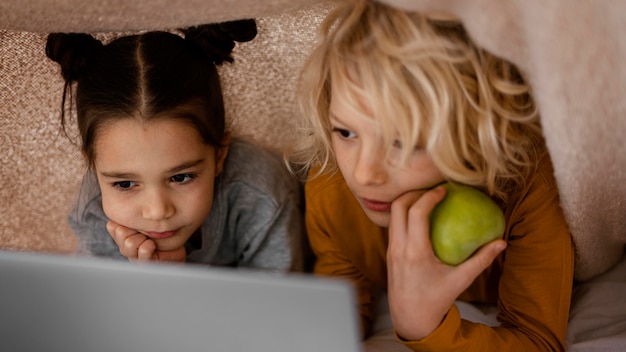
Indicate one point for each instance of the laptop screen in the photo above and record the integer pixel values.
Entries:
(66, 303)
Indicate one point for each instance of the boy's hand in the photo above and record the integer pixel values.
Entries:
(421, 288)
(137, 247)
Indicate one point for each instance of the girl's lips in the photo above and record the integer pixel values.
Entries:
(161, 235)
(377, 206)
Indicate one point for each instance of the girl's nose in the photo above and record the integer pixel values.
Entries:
(369, 168)
(157, 205)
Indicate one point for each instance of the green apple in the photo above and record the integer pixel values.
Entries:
(462, 222)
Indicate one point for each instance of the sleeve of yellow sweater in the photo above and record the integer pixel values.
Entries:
(335, 227)
(535, 285)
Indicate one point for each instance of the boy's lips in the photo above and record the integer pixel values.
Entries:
(161, 235)
(375, 205)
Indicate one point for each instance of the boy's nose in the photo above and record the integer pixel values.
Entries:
(369, 168)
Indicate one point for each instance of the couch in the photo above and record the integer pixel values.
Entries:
(574, 56)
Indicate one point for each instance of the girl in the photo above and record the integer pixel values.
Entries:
(398, 103)
(165, 181)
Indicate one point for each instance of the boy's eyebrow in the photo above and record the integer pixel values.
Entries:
(175, 169)
(333, 116)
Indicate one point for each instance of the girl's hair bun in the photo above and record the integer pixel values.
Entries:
(72, 51)
(240, 31)
(218, 40)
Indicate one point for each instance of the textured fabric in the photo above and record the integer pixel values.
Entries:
(574, 54)
(531, 282)
(255, 220)
(597, 321)
(598, 314)
(123, 15)
(40, 168)
(576, 71)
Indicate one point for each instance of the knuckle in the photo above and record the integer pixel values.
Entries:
(393, 253)
(131, 242)
(417, 211)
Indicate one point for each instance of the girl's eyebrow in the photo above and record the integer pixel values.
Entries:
(184, 166)
(117, 174)
(175, 169)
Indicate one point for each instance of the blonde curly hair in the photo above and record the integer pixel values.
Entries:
(428, 84)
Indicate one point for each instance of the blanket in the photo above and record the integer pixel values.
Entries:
(573, 53)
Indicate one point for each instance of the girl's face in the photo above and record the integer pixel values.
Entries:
(375, 178)
(157, 178)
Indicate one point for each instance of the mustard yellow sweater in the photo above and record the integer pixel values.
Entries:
(531, 282)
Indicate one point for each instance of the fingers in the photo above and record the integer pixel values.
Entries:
(418, 283)
(422, 288)
(479, 261)
(400, 208)
(464, 274)
(146, 250)
(132, 244)
(178, 255)
(409, 224)
(136, 246)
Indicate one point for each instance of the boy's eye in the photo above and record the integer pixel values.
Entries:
(344, 133)
(397, 144)
(124, 185)
(183, 178)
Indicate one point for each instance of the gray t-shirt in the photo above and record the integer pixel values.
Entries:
(255, 221)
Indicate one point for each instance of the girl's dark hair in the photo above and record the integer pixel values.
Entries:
(148, 76)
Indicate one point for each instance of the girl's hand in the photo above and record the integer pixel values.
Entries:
(421, 288)
(137, 247)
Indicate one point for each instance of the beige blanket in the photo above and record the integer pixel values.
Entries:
(575, 55)
(573, 51)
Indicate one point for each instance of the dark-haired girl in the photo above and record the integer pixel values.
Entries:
(165, 180)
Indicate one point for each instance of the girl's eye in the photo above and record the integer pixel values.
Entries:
(183, 178)
(124, 185)
(343, 133)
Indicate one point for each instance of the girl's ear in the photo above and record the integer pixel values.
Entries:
(220, 155)
(85, 158)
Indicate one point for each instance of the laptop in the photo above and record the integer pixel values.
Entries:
(65, 303)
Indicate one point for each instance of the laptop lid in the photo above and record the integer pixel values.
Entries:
(65, 303)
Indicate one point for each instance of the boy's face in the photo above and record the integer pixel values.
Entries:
(157, 178)
(375, 178)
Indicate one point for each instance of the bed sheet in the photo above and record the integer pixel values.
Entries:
(597, 316)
